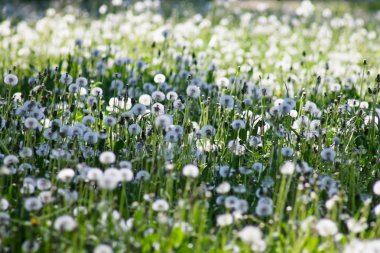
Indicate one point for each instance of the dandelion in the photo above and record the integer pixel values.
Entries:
(254, 141)
(101, 68)
(158, 109)
(376, 210)
(46, 197)
(171, 136)
(91, 137)
(81, 82)
(159, 78)
(28, 187)
(139, 109)
(65, 223)
(364, 105)
(175, 128)
(264, 209)
(94, 174)
(158, 96)
(11, 80)
(315, 124)
(258, 167)
(178, 104)
(66, 79)
(107, 157)
(287, 168)
(113, 172)
(163, 121)
(336, 141)
(287, 152)
(97, 92)
(309, 106)
(241, 206)
(356, 226)
(172, 96)
(108, 181)
(223, 82)
(31, 123)
(126, 174)
(193, 91)
(134, 129)
(26, 152)
(250, 234)
(66, 175)
(328, 154)
(226, 101)
(142, 175)
(74, 88)
(4, 204)
(160, 205)
(10, 160)
(303, 167)
(376, 188)
(285, 107)
(30, 246)
(238, 124)
(225, 171)
(190, 170)
(109, 121)
(208, 131)
(326, 227)
(236, 147)
(223, 188)
(125, 164)
(43, 184)
(359, 246)
(145, 99)
(88, 120)
(224, 220)
(103, 248)
(32, 204)
(259, 246)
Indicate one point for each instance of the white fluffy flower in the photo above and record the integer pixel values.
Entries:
(159, 78)
(250, 234)
(11, 80)
(326, 227)
(145, 99)
(65, 223)
(287, 168)
(193, 91)
(190, 170)
(160, 205)
(223, 188)
(328, 154)
(108, 182)
(224, 220)
(65, 175)
(33, 204)
(376, 188)
(164, 120)
(107, 157)
(358, 246)
(103, 248)
(126, 174)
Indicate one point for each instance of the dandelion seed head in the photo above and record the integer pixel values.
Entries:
(107, 157)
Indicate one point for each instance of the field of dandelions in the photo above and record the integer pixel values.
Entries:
(231, 130)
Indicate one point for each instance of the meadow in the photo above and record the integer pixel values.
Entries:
(139, 128)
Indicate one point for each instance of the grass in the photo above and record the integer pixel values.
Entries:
(133, 130)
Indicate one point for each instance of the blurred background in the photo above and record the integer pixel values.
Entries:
(32, 9)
